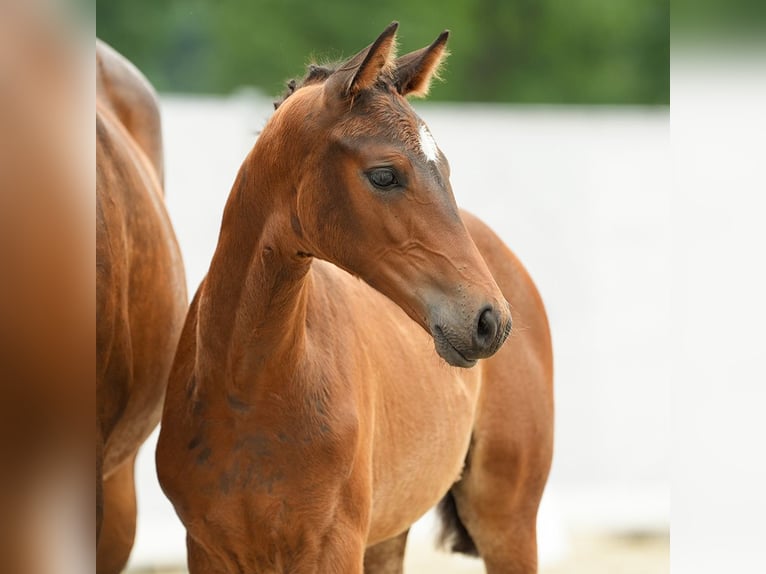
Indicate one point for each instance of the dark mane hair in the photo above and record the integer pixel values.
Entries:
(314, 74)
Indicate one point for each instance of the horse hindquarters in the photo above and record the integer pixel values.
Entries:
(496, 500)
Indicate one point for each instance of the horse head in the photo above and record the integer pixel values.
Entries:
(370, 193)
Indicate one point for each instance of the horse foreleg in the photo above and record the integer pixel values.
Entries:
(386, 557)
(118, 527)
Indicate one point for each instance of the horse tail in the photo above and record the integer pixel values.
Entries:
(453, 535)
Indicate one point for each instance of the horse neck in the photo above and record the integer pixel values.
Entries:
(252, 310)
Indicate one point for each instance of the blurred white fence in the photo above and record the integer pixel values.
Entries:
(582, 196)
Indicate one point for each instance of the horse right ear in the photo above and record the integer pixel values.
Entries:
(362, 70)
(415, 71)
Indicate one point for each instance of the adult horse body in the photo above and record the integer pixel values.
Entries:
(141, 293)
(308, 422)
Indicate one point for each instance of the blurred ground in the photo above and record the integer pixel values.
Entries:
(616, 554)
(590, 554)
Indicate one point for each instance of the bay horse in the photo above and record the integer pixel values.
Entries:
(308, 421)
(141, 293)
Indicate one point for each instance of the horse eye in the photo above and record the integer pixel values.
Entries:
(382, 178)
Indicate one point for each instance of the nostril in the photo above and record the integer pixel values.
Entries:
(486, 328)
(485, 324)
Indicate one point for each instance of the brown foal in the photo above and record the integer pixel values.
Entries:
(308, 421)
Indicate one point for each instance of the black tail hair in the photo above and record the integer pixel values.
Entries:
(453, 535)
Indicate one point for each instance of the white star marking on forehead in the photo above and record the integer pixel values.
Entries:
(427, 144)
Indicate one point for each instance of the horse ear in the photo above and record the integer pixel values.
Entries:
(414, 71)
(361, 71)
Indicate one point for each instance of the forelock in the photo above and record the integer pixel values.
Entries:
(315, 74)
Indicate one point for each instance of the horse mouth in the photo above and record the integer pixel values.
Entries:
(448, 351)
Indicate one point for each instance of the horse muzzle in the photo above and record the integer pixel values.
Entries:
(462, 343)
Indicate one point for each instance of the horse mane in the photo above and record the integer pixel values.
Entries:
(317, 74)
(314, 74)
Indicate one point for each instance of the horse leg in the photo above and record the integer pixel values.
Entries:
(119, 520)
(386, 557)
(496, 501)
(503, 531)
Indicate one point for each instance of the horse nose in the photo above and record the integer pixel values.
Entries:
(488, 335)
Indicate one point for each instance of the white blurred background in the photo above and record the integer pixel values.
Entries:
(582, 195)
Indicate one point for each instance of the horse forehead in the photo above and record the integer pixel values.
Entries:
(427, 143)
(395, 121)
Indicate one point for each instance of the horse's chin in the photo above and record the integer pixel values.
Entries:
(449, 353)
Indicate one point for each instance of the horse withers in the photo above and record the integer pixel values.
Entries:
(308, 421)
(140, 290)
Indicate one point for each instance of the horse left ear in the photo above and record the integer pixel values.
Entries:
(414, 71)
(362, 70)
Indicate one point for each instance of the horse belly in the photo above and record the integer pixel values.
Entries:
(422, 435)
